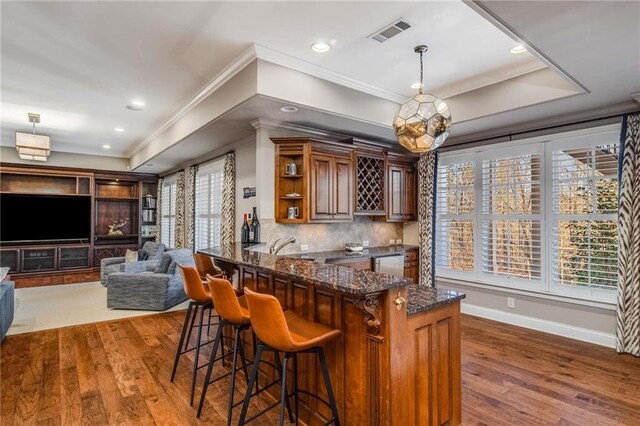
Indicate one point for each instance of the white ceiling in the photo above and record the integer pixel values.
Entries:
(79, 63)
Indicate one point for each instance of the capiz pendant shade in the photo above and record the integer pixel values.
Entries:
(422, 123)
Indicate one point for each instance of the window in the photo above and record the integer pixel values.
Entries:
(539, 215)
(208, 219)
(455, 207)
(585, 214)
(511, 215)
(168, 220)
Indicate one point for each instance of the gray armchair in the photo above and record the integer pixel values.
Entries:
(151, 251)
(152, 291)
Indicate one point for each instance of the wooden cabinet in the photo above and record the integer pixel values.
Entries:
(402, 191)
(321, 190)
(331, 188)
(412, 265)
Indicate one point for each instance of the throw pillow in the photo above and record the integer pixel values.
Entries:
(131, 256)
(163, 265)
(142, 254)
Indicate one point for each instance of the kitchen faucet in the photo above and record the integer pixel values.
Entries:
(274, 250)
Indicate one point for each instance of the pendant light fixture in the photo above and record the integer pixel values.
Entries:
(31, 146)
(422, 123)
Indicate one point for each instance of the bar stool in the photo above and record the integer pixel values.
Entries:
(200, 300)
(205, 266)
(287, 332)
(232, 310)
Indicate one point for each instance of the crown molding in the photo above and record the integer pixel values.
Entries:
(237, 65)
(297, 129)
(484, 11)
(278, 58)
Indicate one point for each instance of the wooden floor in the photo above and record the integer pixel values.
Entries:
(118, 372)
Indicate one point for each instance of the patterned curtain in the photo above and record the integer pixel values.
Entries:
(427, 169)
(159, 210)
(180, 223)
(628, 314)
(190, 210)
(228, 228)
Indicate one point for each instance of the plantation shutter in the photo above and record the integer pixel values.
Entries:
(512, 215)
(455, 210)
(208, 220)
(584, 214)
(168, 224)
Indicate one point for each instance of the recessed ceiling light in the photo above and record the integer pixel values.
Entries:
(320, 47)
(118, 129)
(518, 49)
(417, 85)
(288, 108)
(106, 146)
(136, 105)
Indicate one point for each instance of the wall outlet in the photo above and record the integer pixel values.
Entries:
(392, 242)
(511, 302)
(304, 247)
(365, 243)
(398, 242)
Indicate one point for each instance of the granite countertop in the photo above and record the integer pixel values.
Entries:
(421, 299)
(328, 256)
(336, 277)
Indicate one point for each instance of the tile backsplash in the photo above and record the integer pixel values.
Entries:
(330, 236)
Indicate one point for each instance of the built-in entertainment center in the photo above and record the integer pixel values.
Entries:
(56, 224)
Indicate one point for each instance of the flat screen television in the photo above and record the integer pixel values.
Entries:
(44, 218)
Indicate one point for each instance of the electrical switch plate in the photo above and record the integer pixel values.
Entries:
(365, 243)
(304, 247)
(392, 242)
(398, 242)
(511, 302)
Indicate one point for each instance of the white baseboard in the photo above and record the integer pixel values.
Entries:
(559, 329)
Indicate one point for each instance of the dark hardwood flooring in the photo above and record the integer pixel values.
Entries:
(117, 372)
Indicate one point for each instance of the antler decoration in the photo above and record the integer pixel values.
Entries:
(114, 228)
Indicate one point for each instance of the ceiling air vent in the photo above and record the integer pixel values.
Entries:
(391, 30)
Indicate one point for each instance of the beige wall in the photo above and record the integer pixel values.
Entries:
(64, 159)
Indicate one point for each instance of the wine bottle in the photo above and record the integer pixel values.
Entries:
(245, 230)
(256, 226)
(251, 237)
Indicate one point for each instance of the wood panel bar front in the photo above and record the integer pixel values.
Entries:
(388, 367)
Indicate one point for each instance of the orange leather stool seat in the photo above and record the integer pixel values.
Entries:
(233, 312)
(287, 332)
(205, 266)
(200, 300)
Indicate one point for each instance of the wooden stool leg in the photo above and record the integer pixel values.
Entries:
(207, 379)
(185, 325)
(254, 376)
(327, 382)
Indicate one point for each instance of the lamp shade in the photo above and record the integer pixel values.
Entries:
(33, 147)
(422, 123)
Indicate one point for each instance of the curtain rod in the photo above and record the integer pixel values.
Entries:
(540, 129)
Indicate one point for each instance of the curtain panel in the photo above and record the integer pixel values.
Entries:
(190, 209)
(179, 237)
(159, 210)
(427, 169)
(628, 312)
(228, 214)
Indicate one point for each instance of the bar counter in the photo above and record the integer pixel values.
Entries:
(398, 359)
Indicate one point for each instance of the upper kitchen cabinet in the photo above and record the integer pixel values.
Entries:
(371, 182)
(402, 189)
(314, 181)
